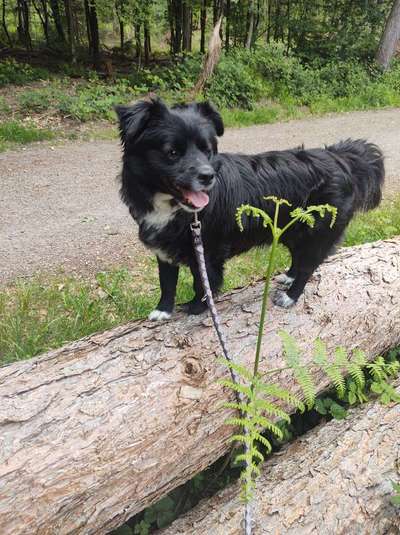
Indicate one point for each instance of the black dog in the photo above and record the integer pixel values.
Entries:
(171, 168)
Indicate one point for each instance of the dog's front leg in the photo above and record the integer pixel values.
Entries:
(168, 274)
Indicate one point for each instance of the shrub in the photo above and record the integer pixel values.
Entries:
(13, 72)
(235, 84)
(95, 100)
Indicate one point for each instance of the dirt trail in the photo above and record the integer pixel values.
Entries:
(59, 206)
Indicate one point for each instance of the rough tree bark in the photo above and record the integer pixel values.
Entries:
(203, 21)
(336, 479)
(93, 432)
(390, 37)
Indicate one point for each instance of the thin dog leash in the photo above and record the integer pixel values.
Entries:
(195, 227)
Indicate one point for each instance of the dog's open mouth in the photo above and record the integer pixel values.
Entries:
(194, 199)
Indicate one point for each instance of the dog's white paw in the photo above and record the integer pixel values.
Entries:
(282, 299)
(284, 280)
(159, 315)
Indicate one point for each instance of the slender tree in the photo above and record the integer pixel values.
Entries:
(70, 31)
(187, 26)
(42, 12)
(55, 10)
(390, 37)
(147, 43)
(250, 31)
(23, 28)
(203, 22)
(4, 23)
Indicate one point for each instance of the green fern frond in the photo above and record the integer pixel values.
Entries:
(393, 368)
(241, 407)
(267, 424)
(303, 216)
(242, 371)
(270, 408)
(322, 209)
(265, 442)
(291, 352)
(335, 375)
(377, 369)
(341, 357)
(278, 392)
(257, 455)
(320, 356)
(305, 380)
(244, 458)
(239, 422)
(236, 387)
(356, 373)
(278, 202)
(244, 439)
(358, 356)
(254, 212)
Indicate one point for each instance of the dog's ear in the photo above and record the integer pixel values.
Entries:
(209, 112)
(133, 119)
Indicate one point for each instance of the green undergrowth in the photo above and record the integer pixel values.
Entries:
(376, 385)
(263, 86)
(17, 133)
(39, 314)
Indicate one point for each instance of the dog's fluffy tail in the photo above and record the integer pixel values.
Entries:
(365, 161)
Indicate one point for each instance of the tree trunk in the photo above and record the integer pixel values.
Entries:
(95, 431)
(70, 31)
(186, 27)
(228, 23)
(250, 32)
(44, 19)
(390, 37)
(203, 21)
(210, 60)
(94, 32)
(138, 43)
(335, 479)
(88, 31)
(4, 24)
(147, 45)
(171, 20)
(55, 10)
(23, 24)
(119, 11)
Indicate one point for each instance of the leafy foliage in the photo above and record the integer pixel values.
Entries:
(354, 378)
(257, 409)
(396, 498)
(14, 72)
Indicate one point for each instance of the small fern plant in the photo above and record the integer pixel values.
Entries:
(256, 411)
(261, 401)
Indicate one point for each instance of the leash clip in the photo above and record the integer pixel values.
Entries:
(195, 226)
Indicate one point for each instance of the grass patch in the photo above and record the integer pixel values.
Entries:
(14, 132)
(38, 315)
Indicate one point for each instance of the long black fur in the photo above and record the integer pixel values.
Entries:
(170, 150)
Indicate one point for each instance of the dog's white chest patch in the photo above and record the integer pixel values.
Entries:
(162, 212)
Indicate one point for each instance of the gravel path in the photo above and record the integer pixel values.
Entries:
(60, 210)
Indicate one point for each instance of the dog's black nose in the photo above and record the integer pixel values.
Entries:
(206, 174)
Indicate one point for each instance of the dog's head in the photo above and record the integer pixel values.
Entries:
(172, 150)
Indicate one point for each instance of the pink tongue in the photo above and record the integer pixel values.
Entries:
(199, 199)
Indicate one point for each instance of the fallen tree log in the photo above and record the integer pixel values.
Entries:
(336, 479)
(99, 429)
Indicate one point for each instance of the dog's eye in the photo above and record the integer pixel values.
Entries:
(172, 153)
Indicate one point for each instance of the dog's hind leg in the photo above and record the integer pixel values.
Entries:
(168, 274)
(306, 258)
(215, 273)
